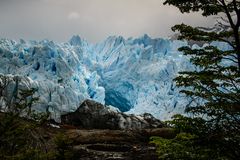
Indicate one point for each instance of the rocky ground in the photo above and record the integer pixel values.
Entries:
(99, 133)
(110, 144)
(116, 144)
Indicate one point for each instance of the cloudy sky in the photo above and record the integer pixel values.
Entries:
(94, 20)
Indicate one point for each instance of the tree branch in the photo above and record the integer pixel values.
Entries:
(224, 5)
(232, 60)
(237, 13)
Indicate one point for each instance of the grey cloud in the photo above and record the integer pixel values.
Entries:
(93, 20)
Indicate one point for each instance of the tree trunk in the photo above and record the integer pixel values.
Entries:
(237, 40)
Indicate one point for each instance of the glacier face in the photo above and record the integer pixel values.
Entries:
(134, 75)
(55, 70)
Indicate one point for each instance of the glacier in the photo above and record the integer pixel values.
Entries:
(133, 75)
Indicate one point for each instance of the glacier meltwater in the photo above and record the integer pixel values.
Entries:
(134, 75)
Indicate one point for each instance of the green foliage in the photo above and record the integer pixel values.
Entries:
(189, 125)
(208, 7)
(212, 131)
(184, 146)
(18, 137)
(64, 149)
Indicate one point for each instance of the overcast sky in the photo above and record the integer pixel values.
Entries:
(94, 20)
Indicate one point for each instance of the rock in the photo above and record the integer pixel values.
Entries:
(111, 144)
(93, 115)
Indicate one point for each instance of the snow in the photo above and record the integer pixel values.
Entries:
(134, 75)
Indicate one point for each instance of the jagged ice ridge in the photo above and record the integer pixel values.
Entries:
(134, 75)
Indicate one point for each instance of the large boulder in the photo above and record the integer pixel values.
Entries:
(94, 115)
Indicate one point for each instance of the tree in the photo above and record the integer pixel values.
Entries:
(229, 8)
(19, 137)
(214, 124)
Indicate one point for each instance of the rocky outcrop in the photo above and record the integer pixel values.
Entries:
(111, 145)
(93, 115)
